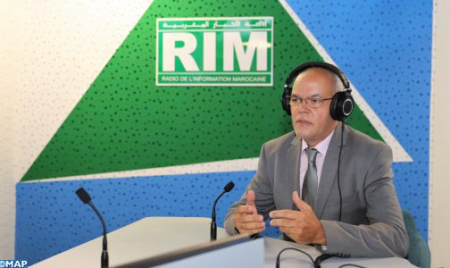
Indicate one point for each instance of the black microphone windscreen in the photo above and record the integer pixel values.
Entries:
(229, 187)
(83, 195)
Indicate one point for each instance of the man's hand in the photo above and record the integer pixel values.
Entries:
(302, 226)
(246, 218)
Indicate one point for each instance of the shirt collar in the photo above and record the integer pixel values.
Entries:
(322, 146)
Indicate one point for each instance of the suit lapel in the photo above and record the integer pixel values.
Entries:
(293, 160)
(329, 171)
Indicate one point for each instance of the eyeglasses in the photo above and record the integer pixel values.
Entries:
(309, 102)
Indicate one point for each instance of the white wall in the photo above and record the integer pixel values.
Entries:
(7, 183)
(50, 52)
(440, 143)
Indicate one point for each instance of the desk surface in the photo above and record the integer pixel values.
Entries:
(157, 235)
(291, 259)
(145, 238)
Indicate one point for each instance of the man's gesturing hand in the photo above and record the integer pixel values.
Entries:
(302, 226)
(246, 218)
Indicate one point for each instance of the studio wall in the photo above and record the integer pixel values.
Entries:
(85, 110)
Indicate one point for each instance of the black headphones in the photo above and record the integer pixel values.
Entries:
(342, 103)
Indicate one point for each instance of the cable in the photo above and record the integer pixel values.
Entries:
(315, 262)
(339, 170)
(296, 249)
(351, 265)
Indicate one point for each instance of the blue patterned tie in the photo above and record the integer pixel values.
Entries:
(310, 183)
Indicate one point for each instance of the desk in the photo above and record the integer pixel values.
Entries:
(157, 235)
(142, 239)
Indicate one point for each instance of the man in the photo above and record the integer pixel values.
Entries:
(368, 222)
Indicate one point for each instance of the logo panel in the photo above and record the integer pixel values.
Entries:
(215, 51)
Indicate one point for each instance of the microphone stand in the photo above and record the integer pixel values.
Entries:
(105, 257)
(226, 189)
(213, 219)
(86, 198)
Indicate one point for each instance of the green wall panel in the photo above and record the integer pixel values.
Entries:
(125, 122)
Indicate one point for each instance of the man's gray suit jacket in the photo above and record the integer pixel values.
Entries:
(371, 223)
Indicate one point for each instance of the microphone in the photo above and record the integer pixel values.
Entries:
(226, 189)
(86, 198)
